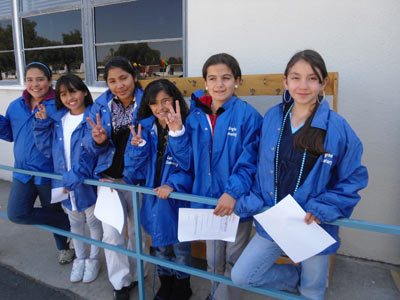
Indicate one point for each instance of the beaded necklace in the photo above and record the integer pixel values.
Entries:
(277, 159)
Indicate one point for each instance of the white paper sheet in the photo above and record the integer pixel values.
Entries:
(202, 224)
(58, 195)
(285, 224)
(109, 209)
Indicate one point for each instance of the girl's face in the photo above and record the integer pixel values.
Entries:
(160, 109)
(220, 82)
(74, 100)
(37, 84)
(303, 84)
(121, 84)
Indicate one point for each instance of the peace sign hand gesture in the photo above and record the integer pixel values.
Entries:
(136, 138)
(174, 119)
(41, 113)
(99, 134)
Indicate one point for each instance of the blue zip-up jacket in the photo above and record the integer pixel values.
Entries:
(159, 217)
(225, 162)
(49, 139)
(16, 126)
(330, 190)
(106, 152)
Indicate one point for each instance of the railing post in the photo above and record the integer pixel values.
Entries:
(138, 235)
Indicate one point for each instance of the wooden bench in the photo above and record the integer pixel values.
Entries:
(250, 85)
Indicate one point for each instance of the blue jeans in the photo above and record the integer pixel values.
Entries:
(180, 253)
(256, 267)
(21, 208)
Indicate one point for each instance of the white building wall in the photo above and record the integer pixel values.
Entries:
(359, 39)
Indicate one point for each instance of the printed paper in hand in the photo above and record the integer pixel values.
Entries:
(284, 222)
(58, 195)
(202, 224)
(109, 209)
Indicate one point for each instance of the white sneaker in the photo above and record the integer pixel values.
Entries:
(78, 268)
(92, 268)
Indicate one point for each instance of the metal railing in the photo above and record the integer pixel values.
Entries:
(363, 225)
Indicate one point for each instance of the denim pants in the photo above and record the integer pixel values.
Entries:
(180, 253)
(78, 220)
(21, 208)
(256, 267)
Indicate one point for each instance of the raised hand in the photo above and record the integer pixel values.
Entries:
(41, 113)
(226, 204)
(163, 191)
(99, 134)
(136, 138)
(174, 119)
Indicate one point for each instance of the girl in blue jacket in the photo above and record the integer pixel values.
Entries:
(16, 126)
(148, 161)
(310, 152)
(60, 136)
(110, 117)
(219, 144)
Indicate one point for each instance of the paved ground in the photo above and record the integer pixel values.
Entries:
(29, 270)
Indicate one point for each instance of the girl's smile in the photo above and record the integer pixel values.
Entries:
(37, 84)
(160, 109)
(220, 83)
(73, 99)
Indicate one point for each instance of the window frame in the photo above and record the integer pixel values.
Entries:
(88, 37)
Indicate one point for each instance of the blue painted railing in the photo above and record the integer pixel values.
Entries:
(363, 225)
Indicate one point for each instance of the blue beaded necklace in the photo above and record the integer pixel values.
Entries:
(277, 159)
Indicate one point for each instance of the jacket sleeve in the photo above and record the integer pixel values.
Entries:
(181, 148)
(250, 204)
(5, 127)
(84, 169)
(348, 177)
(239, 183)
(42, 131)
(73, 178)
(137, 160)
(180, 181)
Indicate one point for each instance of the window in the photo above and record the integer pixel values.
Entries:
(55, 39)
(7, 58)
(79, 36)
(147, 32)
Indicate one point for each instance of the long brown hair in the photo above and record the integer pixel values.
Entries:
(308, 137)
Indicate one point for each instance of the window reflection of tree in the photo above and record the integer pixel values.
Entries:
(140, 53)
(54, 57)
(7, 62)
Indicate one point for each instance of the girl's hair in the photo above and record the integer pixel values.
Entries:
(71, 83)
(42, 67)
(150, 95)
(308, 137)
(124, 64)
(226, 59)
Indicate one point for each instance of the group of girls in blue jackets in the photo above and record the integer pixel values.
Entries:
(220, 148)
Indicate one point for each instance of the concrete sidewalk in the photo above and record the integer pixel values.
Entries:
(32, 252)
